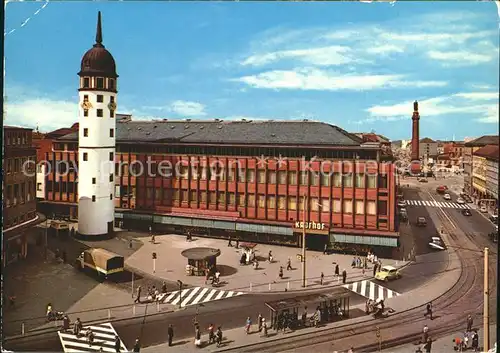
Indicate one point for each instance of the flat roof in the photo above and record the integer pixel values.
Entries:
(200, 253)
(308, 300)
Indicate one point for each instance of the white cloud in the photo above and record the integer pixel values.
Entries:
(322, 56)
(314, 79)
(461, 57)
(385, 49)
(45, 113)
(187, 108)
(456, 104)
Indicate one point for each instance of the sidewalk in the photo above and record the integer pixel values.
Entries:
(171, 265)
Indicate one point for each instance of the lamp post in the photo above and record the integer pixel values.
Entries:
(486, 305)
(304, 242)
(180, 293)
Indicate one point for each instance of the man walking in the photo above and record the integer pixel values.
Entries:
(170, 333)
(429, 310)
(337, 270)
(137, 346)
(325, 250)
(322, 277)
(428, 345)
(118, 344)
(374, 269)
(138, 297)
(344, 276)
(289, 264)
(470, 322)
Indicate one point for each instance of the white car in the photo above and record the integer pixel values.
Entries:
(483, 209)
(447, 197)
(460, 201)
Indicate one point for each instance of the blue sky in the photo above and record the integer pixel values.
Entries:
(356, 65)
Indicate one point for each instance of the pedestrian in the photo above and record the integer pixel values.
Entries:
(365, 265)
(374, 270)
(426, 333)
(218, 336)
(337, 270)
(470, 321)
(237, 243)
(197, 337)
(259, 322)
(322, 277)
(170, 332)
(77, 327)
(130, 243)
(353, 263)
(164, 287)
(281, 272)
(475, 341)
(325, 250)
(138, 296)
(344, 276)
(428, 345)
(66, 323)
(248, 325)
(289, 264)
(429, 310)
(230, 242)
(211, 334)
(137, 346)
(118, 344)
(153, 239)
(264, 326)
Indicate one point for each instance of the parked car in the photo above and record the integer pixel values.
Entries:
(447, 197)
(466, 212)
(483, 209)
(421, 222)
(494, 219)
(460, 201)
(441, 189)
(422, 180)
(387, 273)
(436, 243)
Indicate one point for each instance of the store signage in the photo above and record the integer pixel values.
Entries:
(311, 227)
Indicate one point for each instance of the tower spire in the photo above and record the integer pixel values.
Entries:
(98, 35)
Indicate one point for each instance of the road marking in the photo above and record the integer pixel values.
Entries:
(196, 295)
(104, 338)
(198, 298)
(190, 296)
(371, 290)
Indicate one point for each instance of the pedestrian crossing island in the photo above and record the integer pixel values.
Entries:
(371, 290)
(196, 295)
(441, 204)
(104, 337)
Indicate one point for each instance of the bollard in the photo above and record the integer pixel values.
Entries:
(288, 285)
(22, 328)
(250, 286)
(109, 314)
(269, 286)
(158, 306)
(133, 310)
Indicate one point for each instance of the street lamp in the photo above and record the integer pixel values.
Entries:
(180, 293)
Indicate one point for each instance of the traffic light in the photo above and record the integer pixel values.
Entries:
(154, 256)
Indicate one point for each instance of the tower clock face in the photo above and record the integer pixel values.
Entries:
(86, 105)
(112, 106)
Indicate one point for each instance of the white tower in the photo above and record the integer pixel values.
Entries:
(96, 140)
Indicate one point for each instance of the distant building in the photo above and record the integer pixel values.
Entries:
(428, 148)
(469, 148)
(485, 173)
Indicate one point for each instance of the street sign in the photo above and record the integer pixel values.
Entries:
(154, 256)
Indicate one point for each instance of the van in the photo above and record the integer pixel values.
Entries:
(102, 261)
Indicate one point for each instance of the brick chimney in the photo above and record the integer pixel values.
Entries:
(415, 139)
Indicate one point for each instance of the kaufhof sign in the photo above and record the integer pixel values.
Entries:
(311, 227)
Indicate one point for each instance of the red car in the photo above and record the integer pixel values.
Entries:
(441, 189)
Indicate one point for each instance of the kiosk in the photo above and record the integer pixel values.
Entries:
(200, 260)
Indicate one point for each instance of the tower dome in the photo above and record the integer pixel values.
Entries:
(98, 61)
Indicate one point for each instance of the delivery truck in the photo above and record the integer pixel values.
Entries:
(101, 261)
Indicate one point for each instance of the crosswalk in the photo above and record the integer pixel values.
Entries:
(104, 337)
(437, 204)
(371, 290)
(196, 295)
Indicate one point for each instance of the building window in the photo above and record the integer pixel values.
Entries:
(347, 206)
(86, 82)
(222, 174)
(183, 172)
(251, 175)
(231, 198)
(193, 197)
(251, 200)
(85, 132)
(271, 202)
(38, 186)
(241, 175)
(111, 133)
(292, 203)
(85, 112)
(222, 197)
(382, 208)
(382, 181)
(325, 179)
(111, 177)
(325, 205)
(94, 180)
(100, 98)
(111, 156)
(292, 178)
(303, 178)
(372, 181)
(85, 97)
(230, 174)
(347, 180)
(314, 204)
(271, 177)
(360, 180)
(111, 113)
(100, 82)
(111, 84)
(85, 156)
(302, 202)
(337, 206)
(212, 197)
(261, 176)
(240, 200)
(261, 199)
(99, 113)
(282, 177)
(371, 208)
(175, 195)
(314, 179)
(337, 180)
(203, 196)
(282, 202)
(93, 198)
(360, 207)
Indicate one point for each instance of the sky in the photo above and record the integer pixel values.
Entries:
(359, 66)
